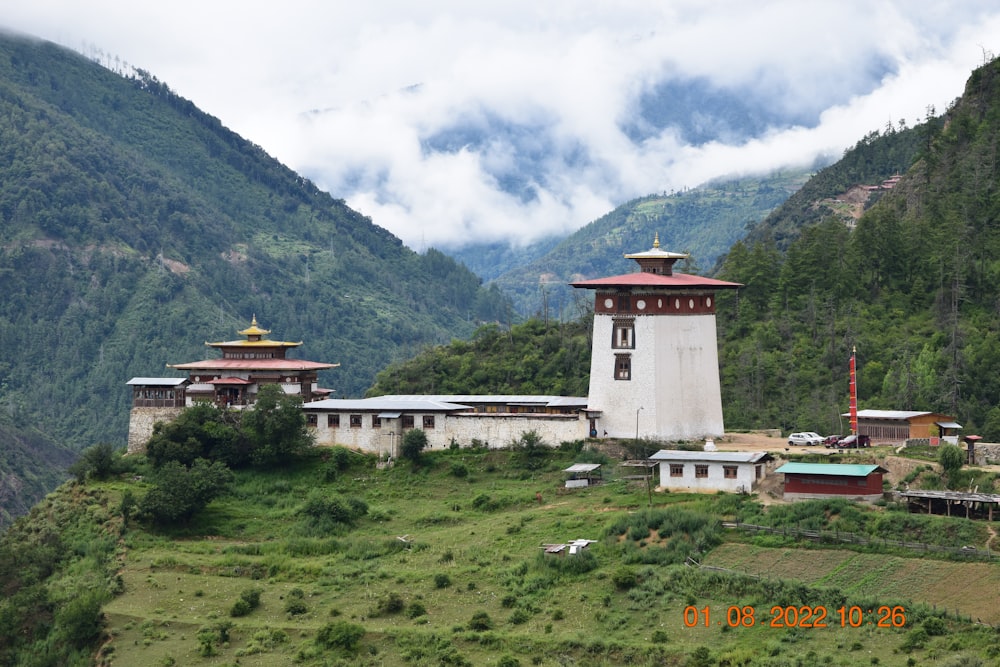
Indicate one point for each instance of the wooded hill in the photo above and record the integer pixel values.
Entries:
(134, 227)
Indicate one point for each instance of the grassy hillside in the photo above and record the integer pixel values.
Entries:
(443, 564)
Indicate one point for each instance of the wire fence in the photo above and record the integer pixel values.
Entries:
(837, 537)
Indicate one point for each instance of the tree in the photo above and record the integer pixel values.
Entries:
(179, 492)
(201, 431)
(276, 427)
(97, 462)
(414, 442)
(951, 459)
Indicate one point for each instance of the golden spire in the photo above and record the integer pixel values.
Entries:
(656, 240)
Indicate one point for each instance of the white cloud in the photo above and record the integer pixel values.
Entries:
(363, 97)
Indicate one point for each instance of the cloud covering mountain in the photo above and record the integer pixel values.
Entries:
(449, 122)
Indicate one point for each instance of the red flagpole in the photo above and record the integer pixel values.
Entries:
(854, 395)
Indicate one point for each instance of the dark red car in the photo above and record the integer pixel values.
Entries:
(854, 442)
(831, 440)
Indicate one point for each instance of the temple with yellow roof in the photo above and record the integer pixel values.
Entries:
(230, 381)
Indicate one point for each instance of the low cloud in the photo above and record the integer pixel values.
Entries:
(449, 123)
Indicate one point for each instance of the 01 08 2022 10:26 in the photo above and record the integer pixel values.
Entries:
(791, 616)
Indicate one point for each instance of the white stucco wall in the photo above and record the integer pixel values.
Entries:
(745, 480)
(494, 431)
(675, 379)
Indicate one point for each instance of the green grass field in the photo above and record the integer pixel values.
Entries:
(446, 567)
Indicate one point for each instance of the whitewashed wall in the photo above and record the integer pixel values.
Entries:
(675, 379)
(745, 479)
(494, 431)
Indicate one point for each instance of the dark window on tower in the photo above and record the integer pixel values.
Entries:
(624, 304)
(624, 334)
(623, 366)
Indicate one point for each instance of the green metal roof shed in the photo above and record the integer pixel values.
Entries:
(838, 469)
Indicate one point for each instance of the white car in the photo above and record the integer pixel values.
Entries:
(805, 438)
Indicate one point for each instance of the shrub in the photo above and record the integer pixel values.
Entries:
(390, 604)
(340, 635)
(414, 443)
(459, 470)
(442, 581)
(480, 621)
(296, 607)
(624, 579)
(240, 608)
(415, 609)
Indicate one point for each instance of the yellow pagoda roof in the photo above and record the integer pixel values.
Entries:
(254, 338)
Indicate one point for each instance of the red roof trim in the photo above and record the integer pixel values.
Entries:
(644, 279)
(253, 364)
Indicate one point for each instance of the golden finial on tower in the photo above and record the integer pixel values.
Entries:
(656, 240)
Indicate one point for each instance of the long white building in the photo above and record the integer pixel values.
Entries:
(654, 373)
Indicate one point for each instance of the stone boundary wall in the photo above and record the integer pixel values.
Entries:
(140, 425)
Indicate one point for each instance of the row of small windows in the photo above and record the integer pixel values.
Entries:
(155, 393)
(628, 304)
(248, 355)
(701, 471)
(356, 421)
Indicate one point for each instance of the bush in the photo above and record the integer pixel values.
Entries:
(340, 635)
(296, 607)
(414, 443)
(480, 621)
(442, 581)
(624, 579)
(240, 608)
(391, 604)
(415, 609)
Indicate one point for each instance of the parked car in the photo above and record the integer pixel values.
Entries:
(854, 442)
(831, 440)
(805, 438)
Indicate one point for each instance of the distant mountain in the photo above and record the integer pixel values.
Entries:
(134, 227)
(704, 222)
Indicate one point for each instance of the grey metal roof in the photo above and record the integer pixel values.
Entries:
(157, 382)
(583, 467)
(710, 457)
(949, 424)
(901, 415)
(385, 404)
(507, 399)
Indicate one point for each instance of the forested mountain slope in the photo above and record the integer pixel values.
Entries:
(912, 287)
(134, 227)
(704, 222)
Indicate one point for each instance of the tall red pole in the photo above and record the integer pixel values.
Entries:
(854, 395)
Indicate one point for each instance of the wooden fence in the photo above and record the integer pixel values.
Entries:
(837, 537)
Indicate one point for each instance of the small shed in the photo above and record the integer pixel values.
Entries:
(899, 426)
(807, 481)
(583, 474)
(571, 548)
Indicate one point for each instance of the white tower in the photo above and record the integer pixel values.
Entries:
(654, 367)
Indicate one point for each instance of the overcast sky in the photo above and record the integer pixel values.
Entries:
(374, 101)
